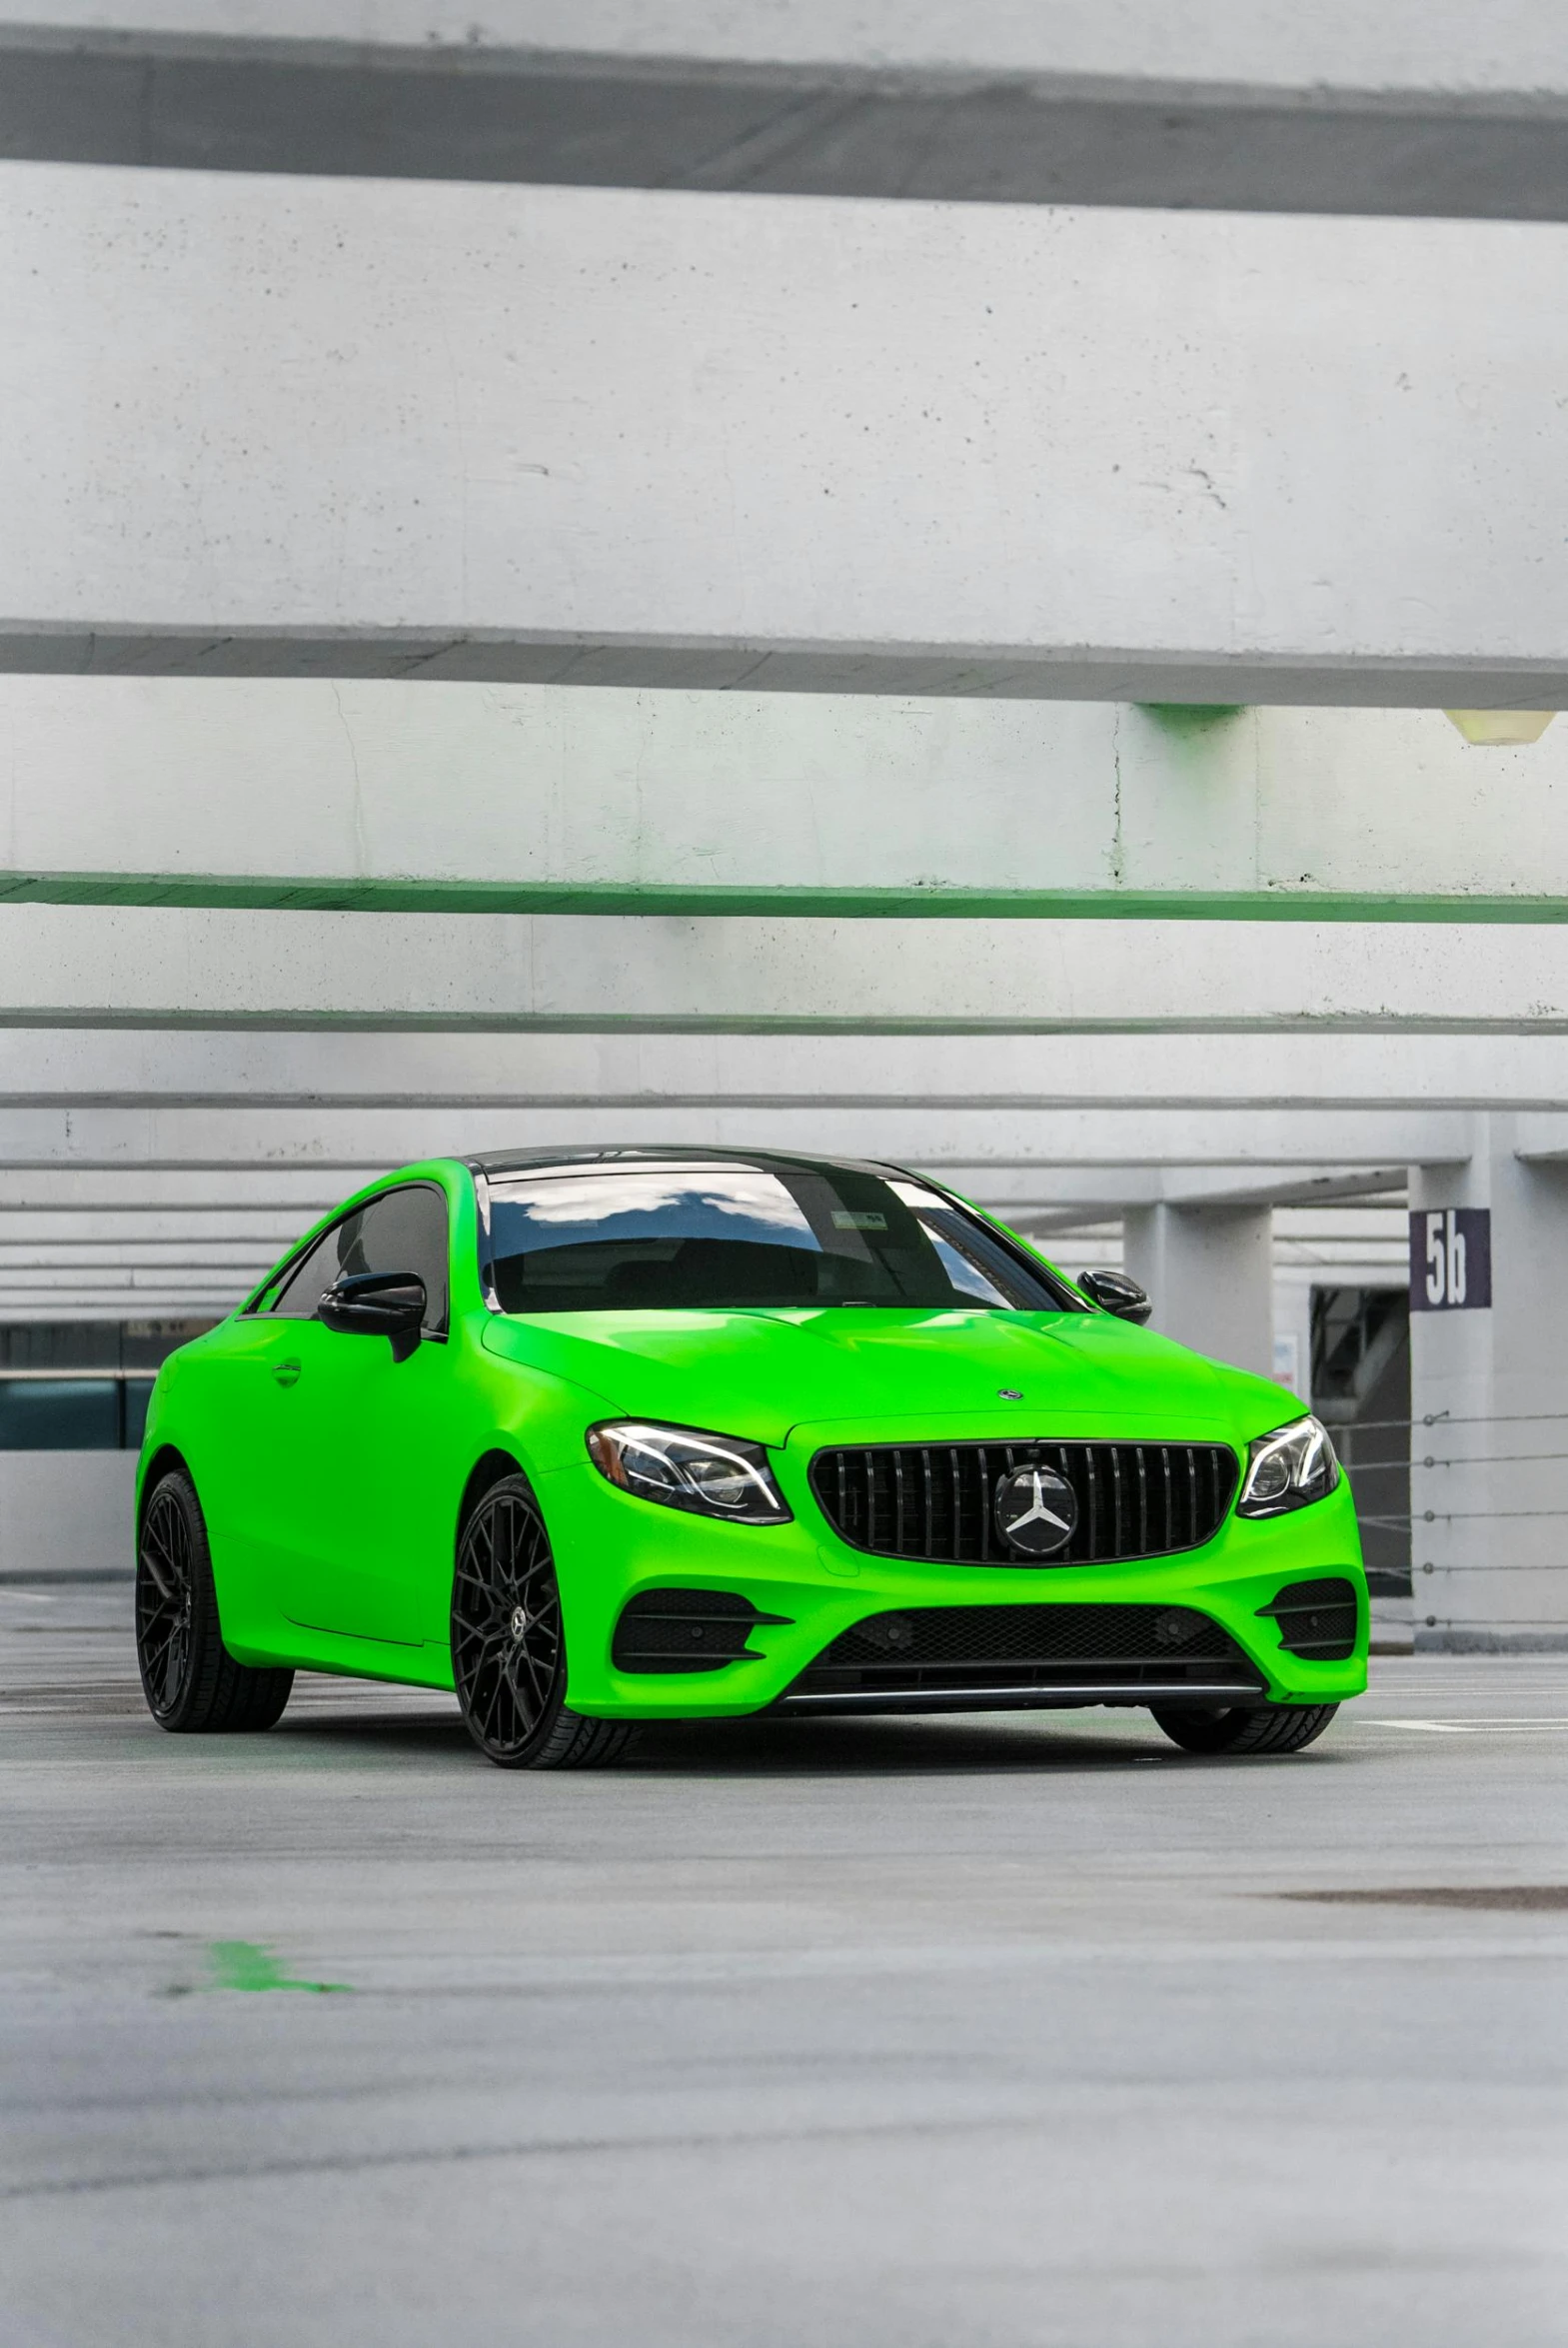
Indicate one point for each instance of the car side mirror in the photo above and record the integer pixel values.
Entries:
(377, 1305)
(1115, 1291)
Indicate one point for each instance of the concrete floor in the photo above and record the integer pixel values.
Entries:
(966, 2031)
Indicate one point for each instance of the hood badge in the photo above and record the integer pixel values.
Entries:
(1009, 1394)
(1036, 1511)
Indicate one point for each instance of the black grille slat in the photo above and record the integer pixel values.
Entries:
(1134, 1499)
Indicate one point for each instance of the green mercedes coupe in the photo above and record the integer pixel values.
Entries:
(602, 1437)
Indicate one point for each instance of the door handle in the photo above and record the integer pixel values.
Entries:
(286, 1372)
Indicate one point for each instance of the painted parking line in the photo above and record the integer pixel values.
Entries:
(1484, 1727)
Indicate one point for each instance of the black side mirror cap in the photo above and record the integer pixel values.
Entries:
(1115, 1292)
(377, 1305)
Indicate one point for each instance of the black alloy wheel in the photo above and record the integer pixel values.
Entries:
(508, 1650)
(1243, 1728)
(191, 1681)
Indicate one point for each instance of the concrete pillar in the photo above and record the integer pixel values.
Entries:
(1292, 1360)
(1209, 1270)
(1489, 1484)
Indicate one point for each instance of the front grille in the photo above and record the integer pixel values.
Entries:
(935, 1500)
(686, 1631)
(936, 1650)
(1318, 1620)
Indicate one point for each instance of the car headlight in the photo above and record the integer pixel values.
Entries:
(1288, 1469)
(681, 1467)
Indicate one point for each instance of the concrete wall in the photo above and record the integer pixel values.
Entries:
(66, 1513)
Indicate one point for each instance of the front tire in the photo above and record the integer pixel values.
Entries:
(1244, 1728)
(509, 1649)
(191, 1681)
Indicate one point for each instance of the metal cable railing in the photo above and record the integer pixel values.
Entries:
(1428, 1465)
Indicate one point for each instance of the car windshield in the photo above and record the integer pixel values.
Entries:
(595, 1238)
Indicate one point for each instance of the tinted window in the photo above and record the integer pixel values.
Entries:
(61, 1415)
(402, 1230)
(91, 1346)
(301, 1293)
(591, 1238)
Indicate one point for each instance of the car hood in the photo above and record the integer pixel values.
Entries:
(764, 1373)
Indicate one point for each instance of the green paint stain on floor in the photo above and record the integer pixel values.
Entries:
(242, 1964)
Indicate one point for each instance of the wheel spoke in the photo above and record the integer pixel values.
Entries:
(163, 1601)
(541, 1688)
(154, 1618)
(506, 1679)
(174, 1674)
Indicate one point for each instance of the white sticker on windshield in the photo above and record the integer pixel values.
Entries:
(846, 1220)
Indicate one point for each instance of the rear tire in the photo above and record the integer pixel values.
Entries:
(1244, 1728)
(192, 1683)
(509, 1649)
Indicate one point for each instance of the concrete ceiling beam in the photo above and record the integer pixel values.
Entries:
(1450, 111)
(608, 974)
(145, 1229)
(333, 1140)
(1040, 1199)
(114, 1068)
(367, 427)
(303, 794)
(81, 1195)
(70, 1204)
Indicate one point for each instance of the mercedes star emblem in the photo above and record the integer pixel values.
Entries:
(1036, 1511)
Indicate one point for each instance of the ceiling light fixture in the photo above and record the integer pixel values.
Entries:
(1500, 729)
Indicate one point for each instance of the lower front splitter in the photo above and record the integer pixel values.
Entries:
(1015, 1700)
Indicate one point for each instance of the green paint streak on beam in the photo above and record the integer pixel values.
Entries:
(1183, 718)
(240, 1965)
(268, 893)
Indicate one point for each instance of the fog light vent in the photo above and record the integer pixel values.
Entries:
(687, 1631)
(1318, 1620)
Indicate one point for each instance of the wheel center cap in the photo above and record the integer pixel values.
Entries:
(518, 1621)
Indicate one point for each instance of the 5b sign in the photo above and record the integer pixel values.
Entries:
(1451, 1259)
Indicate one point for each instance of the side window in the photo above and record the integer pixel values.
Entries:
(301, 1293)
(403, 1231)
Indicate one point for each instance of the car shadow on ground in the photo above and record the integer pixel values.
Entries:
(355, 1719)
(891, 1746)
(779, 1749)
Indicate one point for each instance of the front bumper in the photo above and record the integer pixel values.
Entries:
(610, 1548)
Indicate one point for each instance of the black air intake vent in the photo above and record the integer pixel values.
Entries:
(934, 1650)
(935, 1500)
(1318, 1620)
(686, 1631)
